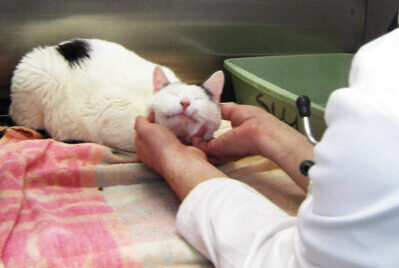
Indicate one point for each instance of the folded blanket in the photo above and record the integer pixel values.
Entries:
(52, 213)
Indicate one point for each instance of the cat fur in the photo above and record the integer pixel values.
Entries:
(92, 90)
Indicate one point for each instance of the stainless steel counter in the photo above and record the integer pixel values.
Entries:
(191, 37)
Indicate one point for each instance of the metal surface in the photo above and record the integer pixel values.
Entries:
(191, 37)
(308, 131)
(380, 14)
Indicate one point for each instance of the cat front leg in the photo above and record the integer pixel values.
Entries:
(115, 125)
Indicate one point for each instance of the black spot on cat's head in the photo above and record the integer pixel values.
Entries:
(74, 51)
(207, 92)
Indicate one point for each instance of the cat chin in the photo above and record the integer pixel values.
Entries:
(181, 125)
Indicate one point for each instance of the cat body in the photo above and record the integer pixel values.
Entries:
(92, 90)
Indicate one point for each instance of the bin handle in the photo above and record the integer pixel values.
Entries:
(303, 105)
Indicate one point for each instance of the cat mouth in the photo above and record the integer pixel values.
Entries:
(182, 115)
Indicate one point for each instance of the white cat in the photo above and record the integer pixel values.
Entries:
(92, 90)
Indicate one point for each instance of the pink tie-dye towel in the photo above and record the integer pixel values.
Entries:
(51, 212)
(53, 215)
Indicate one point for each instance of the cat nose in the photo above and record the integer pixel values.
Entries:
(185, 103)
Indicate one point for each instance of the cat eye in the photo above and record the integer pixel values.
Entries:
(173, 94)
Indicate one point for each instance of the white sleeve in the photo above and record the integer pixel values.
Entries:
(234, 226)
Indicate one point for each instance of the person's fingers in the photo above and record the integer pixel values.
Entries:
(151, 117)
(196, 140)
(213, 147)
(237, 113)
(225, 144)
(140, 122)
(227, 110)
(152, 133)
(200, 143)
(200, 132)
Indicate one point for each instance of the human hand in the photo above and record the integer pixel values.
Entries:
(156, 145)
(254, 131)
(250, 124)
(182, 166)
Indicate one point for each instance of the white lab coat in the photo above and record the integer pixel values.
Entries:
(350, 217)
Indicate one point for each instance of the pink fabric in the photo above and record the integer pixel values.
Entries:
(51, 213)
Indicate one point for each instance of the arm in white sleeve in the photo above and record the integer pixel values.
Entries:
(235, 226)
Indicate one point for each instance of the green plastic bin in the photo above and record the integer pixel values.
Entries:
(275, 82)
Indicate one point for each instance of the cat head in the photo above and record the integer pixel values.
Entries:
(185, 109)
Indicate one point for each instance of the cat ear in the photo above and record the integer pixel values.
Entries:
(159, 79)
(214, 85)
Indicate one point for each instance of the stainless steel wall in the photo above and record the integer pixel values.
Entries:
(190, 36)
(379, 16)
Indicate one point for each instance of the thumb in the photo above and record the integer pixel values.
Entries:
(212, 147)
(151, 117)
(141, 121)
(228, 144)
(200, 143)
